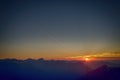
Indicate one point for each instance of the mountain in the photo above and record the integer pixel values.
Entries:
(103, 73)
(30, 69)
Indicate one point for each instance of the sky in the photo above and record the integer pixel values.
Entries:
(55, 29)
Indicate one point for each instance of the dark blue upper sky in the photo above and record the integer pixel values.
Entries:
(60, 24)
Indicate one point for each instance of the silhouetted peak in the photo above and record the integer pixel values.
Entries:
(102, 67)
(29, 60)
(41, 59)
(97, 74)
(9, 60)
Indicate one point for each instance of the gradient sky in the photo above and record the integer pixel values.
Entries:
(59, 28)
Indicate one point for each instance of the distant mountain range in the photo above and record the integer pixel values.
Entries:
(30, 69)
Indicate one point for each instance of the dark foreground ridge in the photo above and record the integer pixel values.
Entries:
(12, 69)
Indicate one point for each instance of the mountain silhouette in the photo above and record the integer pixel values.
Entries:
(103, 73)
(30, 69)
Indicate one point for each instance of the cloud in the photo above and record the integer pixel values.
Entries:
(107, 55)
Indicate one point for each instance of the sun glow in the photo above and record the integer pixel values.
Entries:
(87, 59)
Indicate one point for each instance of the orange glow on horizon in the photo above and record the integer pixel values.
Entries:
(87, 59)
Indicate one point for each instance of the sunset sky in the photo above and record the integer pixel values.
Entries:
(55, 29)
